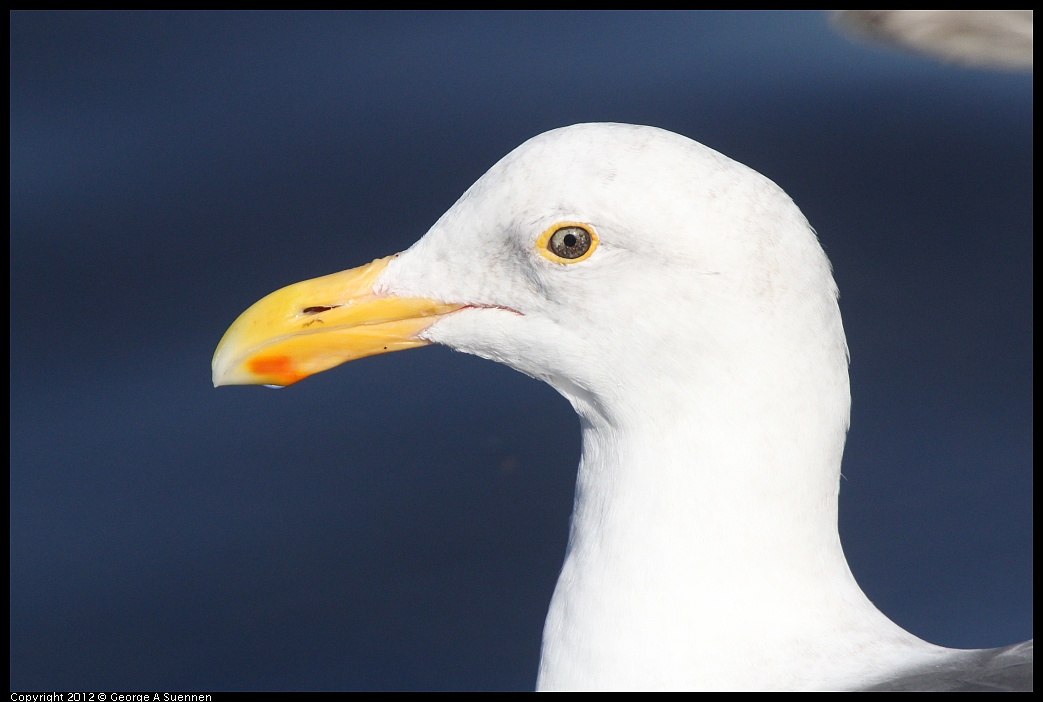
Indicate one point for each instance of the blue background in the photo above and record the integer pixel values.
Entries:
(398, 522)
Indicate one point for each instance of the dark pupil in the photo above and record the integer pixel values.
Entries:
(570, 242)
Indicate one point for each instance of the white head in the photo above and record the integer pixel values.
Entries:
(682, 303)
(701, 265)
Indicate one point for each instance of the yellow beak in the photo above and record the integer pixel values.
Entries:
(312, 326)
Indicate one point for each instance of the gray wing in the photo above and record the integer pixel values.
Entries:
(1007, 669)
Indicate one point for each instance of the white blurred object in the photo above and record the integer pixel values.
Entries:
(987, 38)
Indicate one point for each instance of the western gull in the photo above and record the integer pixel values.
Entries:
(682, 303)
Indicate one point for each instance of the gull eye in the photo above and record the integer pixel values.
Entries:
(568, 242)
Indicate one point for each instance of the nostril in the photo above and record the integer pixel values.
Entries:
(317, 309)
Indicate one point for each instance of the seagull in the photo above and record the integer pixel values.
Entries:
(683, 305)
(998, 39)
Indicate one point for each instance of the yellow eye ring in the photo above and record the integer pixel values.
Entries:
(567, 242)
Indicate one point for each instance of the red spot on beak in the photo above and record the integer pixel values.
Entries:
(279, 369)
